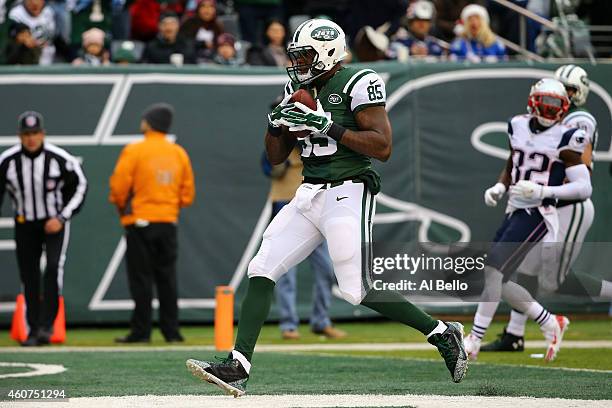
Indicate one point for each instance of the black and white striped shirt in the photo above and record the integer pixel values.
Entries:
(46, 184)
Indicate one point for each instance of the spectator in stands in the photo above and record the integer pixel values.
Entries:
(120, 19)
(41, 21)
(447, 14)
(203, 29)
(415, 35)
(371, 45)
(274, 53)
(88, 14)
(22, 48)
(252, 13)
(167, 43)
(145, 15)
(124, 55)
(93, 51)
(226, 50)
(62, 17)
(375, 14)
(476, 41)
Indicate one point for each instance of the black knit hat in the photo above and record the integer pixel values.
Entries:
(159, 116)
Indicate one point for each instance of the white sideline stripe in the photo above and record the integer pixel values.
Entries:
(280, 348)
(325, 401)
(37, 369)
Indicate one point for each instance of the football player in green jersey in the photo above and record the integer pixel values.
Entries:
(336, 201)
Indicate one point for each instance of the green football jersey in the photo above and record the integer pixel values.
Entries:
(346, 93)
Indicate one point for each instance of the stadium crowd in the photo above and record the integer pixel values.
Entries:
(255, 32)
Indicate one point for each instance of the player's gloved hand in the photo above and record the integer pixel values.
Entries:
(529, 189)
(493, 194)
(308, 119)
(275, 118)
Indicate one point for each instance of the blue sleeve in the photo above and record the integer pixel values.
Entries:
(434, 48)
(458, 48)
(501, 48)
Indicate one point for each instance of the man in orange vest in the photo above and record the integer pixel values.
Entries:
(152, 181)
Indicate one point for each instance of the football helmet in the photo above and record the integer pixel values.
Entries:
(548, 101)
(316, 47)
(574, 77)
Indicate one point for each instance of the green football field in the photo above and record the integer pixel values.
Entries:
(376, 359)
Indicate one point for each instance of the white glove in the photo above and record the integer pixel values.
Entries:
(308, 119)
(275, 117)
(529, 189)
(493, 194)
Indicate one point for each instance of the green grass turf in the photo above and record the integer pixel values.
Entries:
(164, 373)
(11, 370)
(591, 359)
(372, 332)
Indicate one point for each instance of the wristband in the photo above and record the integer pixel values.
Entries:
(61, 218)
(274, 131)
(336, 132)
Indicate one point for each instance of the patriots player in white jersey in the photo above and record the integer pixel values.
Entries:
(543, 154)
(575, 220)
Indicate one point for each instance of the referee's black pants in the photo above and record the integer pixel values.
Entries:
(151, 258)
(31, 239)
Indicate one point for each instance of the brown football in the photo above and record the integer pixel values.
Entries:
(305, 98)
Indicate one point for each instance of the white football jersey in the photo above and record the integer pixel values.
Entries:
(584, 120)
(42, 28)
(535, 156)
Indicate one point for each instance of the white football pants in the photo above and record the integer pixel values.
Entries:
(551, 262)
(342, 215)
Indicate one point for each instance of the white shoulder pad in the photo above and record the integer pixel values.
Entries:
(516, 124)
(368, 90)
(574, 139)
(584, 121)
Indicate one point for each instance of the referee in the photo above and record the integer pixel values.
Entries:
(47, 187)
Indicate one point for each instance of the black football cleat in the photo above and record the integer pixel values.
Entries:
(451, 348)
(44, 336)
(505, 342)
(31, 341)
(227, 374)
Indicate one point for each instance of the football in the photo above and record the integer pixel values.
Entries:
(304, 97)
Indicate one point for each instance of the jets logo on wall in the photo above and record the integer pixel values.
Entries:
(334, 99)
(325, 34)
